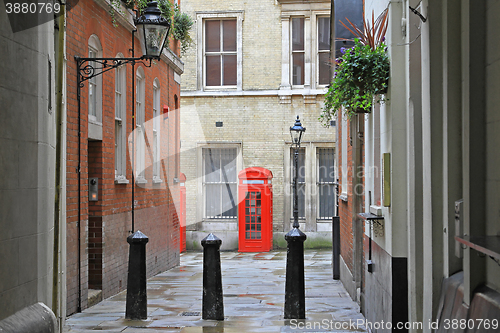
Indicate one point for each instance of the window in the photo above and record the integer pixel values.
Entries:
(326, 183)
(305, 46)
(376, 169)
(323, 59)
(298, 51)
(301, 182)
(344, 154)
(120, 128)
(139, 123)
(95, 83)
(156, 132)
(220, 182)
(220, 54)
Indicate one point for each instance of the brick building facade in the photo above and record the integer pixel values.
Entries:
(274, 68)
(101, 227)
(351, 197)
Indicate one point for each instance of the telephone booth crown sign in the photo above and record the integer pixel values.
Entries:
(255, 210)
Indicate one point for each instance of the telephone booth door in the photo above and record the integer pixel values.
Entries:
(255, 216)
(182, 215)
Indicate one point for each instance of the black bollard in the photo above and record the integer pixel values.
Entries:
(336, 247)
(137, 300)
(213, 304)
(295, 297)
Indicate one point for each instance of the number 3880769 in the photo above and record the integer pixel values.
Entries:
(32, 8)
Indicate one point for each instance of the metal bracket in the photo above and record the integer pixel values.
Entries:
(92, 67)
(416, 12)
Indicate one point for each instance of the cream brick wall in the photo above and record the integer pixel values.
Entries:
(254, 118)
(261, 124)
(261, 41)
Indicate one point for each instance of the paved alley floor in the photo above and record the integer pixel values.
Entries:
(254, 293)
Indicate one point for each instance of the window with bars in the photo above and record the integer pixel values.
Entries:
(220, 53)
(220, 178)
(326, 183)
(301, 182)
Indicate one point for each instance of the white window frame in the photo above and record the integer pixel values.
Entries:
(311, 61)
(304, 183)
(332, 185)
(120, 123)
(140, 142)
(318, 51)
(201, 197)
(156, 132)
(344, 139)
(296, 52)
(95, 83)
(201, 18)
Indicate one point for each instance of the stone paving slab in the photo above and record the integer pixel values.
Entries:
(254, 288)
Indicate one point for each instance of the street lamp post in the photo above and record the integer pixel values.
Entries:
(153, 31)
(294, 285)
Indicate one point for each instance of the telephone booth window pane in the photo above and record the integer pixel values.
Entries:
(252, 218)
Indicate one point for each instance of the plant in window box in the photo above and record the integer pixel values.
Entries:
(362, 73)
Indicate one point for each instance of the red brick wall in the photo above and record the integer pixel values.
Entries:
(105, 224)
(346, 207)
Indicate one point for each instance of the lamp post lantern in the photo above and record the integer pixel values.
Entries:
(153, 31)
(294, 285)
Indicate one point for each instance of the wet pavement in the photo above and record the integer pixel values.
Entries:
(254, 293)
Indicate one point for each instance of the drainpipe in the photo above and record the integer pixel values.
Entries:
(58, 166)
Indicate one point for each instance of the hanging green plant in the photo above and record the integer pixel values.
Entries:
(362, 73)
(361, 76)
(182, 28)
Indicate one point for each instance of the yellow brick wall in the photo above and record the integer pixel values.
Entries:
(261, 30)
(262, 124)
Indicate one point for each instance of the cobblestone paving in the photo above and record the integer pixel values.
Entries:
(254, 287)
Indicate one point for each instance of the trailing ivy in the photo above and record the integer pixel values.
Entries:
(182, 23)
(182, 27)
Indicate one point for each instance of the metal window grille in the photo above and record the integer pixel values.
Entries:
(301, 183)
(326, 183)
(220, 182)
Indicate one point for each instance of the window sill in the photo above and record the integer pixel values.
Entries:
(343, 197)
(376, 210)
(157, 181)
(121, 180)
(141, 180)
(93, 120)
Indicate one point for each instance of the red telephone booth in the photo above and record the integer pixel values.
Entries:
(182, 215)
(255, 210)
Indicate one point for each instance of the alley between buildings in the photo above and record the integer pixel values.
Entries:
(254, 287)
